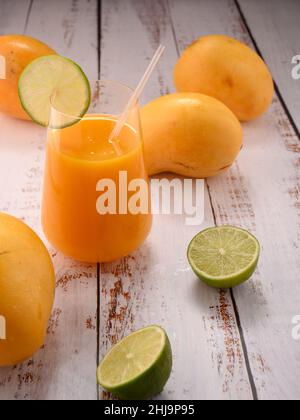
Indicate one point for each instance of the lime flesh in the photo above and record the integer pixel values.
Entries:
(139, 366)
(224, 256)
(57, 81)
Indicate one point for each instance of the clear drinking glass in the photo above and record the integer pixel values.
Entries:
(96, 200)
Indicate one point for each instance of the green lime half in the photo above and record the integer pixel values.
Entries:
(139, 366)
(224, 256)
(58, 81)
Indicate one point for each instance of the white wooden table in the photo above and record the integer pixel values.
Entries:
(227, 344)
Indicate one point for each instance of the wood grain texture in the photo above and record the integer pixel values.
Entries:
(155, 285)
(14, 16)
(65, 367)
(260, 192)
(216, 354)
(275, 26)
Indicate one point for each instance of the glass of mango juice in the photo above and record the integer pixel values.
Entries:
(96, 199)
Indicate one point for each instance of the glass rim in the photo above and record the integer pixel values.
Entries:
(91, 82)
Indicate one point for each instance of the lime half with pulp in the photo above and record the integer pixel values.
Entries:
(224, 256)
(58, 81)
(139, 366)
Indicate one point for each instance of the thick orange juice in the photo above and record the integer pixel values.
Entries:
(78, 157)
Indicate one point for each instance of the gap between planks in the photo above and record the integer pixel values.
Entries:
(28, 16)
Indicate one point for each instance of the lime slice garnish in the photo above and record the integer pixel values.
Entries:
(139, 366)
(57, 80)
(224, 256)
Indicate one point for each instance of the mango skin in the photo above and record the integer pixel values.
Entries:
(190, 134)
(222, 67)
(18, 51)
(27, 287)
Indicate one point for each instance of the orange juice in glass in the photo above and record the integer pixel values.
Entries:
(96, 199)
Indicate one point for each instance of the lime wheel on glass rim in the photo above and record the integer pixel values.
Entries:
(57, 81)
(224, 256)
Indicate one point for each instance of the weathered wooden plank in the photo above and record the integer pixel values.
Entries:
(71, 28)
(65, 367)
(13, 16)
(275, 27)
(266, 305)
(155, 285)
(260, 192)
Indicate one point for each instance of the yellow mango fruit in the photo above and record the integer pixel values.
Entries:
(189, 134)
(222, 67)
(27, 284)
(17, 51)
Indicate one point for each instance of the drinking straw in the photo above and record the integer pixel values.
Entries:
(135, 96)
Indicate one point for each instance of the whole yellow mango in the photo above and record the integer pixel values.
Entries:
(190, 134)
(16, 52)
(27, 285)
(222, 67)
